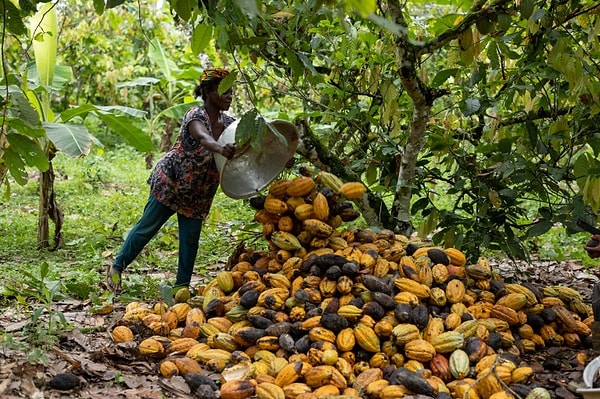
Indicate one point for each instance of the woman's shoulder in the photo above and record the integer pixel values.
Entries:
(195, 111)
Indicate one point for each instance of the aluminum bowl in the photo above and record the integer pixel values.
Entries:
(250, 170)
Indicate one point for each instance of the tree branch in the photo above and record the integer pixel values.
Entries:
(476, 13)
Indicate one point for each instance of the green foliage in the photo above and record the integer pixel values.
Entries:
(516, 96)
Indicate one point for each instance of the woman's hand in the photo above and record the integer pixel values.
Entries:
(227, 150)
(593, 250)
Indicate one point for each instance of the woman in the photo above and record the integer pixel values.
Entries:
(184, 181)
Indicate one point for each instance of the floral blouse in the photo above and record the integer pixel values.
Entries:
(186, 178)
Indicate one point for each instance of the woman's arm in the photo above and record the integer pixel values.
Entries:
(201, 134)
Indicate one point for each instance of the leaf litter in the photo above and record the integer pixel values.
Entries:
(106, 370)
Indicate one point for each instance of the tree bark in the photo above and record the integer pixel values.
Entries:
(49, 210)
(422, 100)
(166, 139)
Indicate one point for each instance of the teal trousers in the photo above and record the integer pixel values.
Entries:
(154, 217)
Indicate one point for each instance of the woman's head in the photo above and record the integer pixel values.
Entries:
(210, 81)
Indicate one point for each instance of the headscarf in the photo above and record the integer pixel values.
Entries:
(213, 73)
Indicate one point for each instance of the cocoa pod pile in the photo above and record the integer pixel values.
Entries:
(339, 312)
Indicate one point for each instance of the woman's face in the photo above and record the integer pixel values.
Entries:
(223, 101)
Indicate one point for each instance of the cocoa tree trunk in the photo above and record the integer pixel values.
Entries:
(407, 61)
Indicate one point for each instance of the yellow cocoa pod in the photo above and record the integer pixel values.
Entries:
(225, 281)
(318, 228)
(122, 334)
(289, 374)
(320, 207)
(394, 391)
(150, 346)
(321, 375)
(237, 389)
(186, 365)
(505, 313)
(278, 189)
(300, 186)
(521, 374)
(267, 390)
(456, 256)
(345, 340)
(318, 334)
(434, 327)
(366, 338)
(353, 190)
(285, 240)
(514, 300)
(448, 341)
(206, 355)
(414, 287)
(181, 345)
(521, 289)
(304, 212)
(295, 390)
(168, 369)
(275, 206)
(455, 291)
(404, 333)
(419, 350)
(330, 180)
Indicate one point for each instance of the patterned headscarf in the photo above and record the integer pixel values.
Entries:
(213, 73)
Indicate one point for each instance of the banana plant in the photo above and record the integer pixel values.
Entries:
(32, 133)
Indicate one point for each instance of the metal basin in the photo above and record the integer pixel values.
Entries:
(250, 170)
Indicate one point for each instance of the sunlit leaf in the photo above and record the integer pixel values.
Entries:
(227, 82)
(183, 8)
(99, 6)
(179, 110)
(44, 30)
(122, 125)
(294, 63)
(246, 128)
(73, 140)
(363, 7)
(13, 19)
(494, 198)
(158, 55)
(201, 37)
(111, 109)
(526, 8)
(371, 174)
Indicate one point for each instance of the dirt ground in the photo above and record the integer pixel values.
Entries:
(106, 370)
